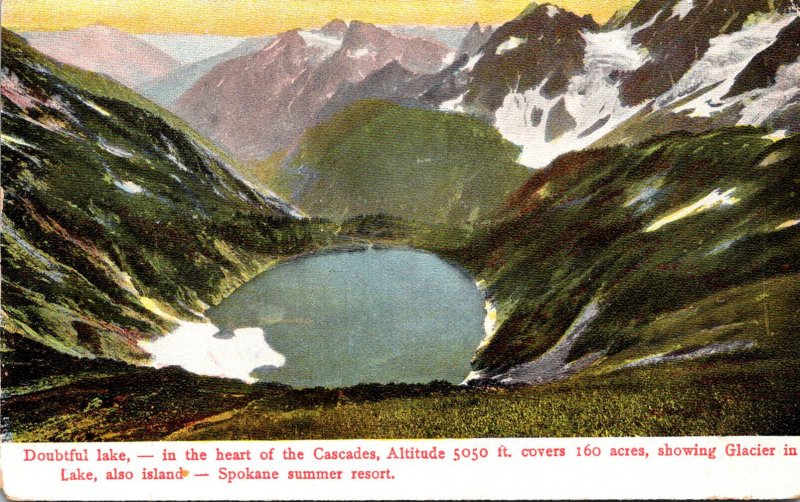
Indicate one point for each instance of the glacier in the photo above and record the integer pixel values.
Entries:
(728, 55)
(592, 100)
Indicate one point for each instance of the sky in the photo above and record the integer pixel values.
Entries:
(263, 17)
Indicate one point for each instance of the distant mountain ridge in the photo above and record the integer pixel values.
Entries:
(191, 48)
(261, 103)
(102, 49)
(451, 36)
(165, 90)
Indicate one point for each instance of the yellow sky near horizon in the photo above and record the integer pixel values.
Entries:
(265, 17)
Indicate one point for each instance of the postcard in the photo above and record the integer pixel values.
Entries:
(261, 250)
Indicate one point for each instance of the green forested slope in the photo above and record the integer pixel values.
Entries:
(375, 157)
(625, 240)
(114, 209)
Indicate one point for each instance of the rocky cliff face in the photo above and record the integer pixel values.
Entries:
(659, 68)
(541, 49)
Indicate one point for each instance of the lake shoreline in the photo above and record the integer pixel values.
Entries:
(397, 315)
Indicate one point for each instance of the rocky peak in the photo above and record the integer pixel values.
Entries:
(474, 39)
(360, 34)
(542, 47)
(335, 28)
(289, 41)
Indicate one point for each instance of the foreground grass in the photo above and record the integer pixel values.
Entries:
(730, 395)
(744, 398)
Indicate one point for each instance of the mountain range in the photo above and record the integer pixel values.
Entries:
(553, 82)
(289, 82)
(119, 55)
(626, 194)
(167, 89)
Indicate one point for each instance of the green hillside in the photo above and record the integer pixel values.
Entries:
(115, 210)
(668, 247)
(379, 158)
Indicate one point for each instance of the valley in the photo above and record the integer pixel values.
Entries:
(551, 227)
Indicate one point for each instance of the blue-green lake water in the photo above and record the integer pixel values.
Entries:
(390, 315)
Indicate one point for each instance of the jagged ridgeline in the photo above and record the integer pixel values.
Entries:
(679, 243)
(115, 210)
(376, 157)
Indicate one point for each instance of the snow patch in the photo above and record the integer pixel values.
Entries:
(723, 246)
(177, 162)
(552, 10)
(94, 106)
(326, 44)
(645, 195)
(17, 141)
(777, 135)
(489, 323)
(473, 61)
(454, 105)
(129, 187)
(113, 150)
(194, 347)
(713, 200)
(727, 56)
(759, 104)
(510, 44)
(172, 155)
(787, 224)
(361, 52)
(473, 376)
(682, 8)
(592, 99)
(708, 350)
